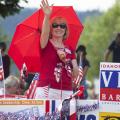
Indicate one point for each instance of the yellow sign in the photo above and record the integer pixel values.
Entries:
(109, 116)
(21, 102)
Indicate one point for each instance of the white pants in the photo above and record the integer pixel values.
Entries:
(50, 93)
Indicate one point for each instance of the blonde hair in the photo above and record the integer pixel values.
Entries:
(12, 81)
(63, 20)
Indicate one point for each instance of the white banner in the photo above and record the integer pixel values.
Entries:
(45, 109)
(88, 109)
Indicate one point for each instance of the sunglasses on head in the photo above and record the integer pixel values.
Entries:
(62, 25)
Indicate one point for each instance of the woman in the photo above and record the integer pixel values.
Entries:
(58, 62)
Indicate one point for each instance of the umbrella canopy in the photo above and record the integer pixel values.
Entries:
(25, 45)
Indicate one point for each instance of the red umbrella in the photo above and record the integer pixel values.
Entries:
(25, 45)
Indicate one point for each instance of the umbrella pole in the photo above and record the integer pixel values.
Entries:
(61, 96)
(61, 90)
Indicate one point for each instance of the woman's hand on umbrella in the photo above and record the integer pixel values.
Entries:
(46, 8)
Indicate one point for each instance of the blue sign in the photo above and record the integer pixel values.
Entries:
(87, 117)
(110, 79)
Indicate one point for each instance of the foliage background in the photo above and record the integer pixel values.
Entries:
(97, 35)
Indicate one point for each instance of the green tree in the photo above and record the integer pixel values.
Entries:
(97, 35)
(9, 7)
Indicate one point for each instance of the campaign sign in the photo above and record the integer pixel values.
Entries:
(29, 109)
(109, 100)
(109, 87)
(110, 82)
(87, 109)
(46, 110)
